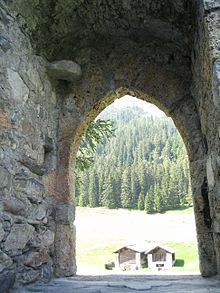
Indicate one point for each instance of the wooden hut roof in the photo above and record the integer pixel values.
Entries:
(164, 247)
(146, 248)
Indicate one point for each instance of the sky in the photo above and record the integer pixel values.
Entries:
(129, 101)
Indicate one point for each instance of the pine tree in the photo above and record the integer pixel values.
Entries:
(126, 197)
(93, 190)
(149, 201)
(117, 188)
(84, 197)
(108, 196)
(141, 200)
(134, 189)
(145, 157)
(158, 200)
(174, 195)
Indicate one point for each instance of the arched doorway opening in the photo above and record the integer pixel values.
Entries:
(186, 120)
(138, 173)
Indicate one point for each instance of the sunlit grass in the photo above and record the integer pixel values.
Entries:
(97, 257)
(101, 232)
(186, 256)
(184, 211)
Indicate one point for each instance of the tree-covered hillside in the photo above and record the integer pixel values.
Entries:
(143, 166)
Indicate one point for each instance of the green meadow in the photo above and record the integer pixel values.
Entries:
(101, 231)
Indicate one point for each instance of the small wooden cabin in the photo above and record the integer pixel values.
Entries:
(131, 257)
(160, 257)
(136, 256)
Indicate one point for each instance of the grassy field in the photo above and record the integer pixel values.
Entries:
(101, 231)
(182, 211)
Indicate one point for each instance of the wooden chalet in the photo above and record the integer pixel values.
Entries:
(136, 256)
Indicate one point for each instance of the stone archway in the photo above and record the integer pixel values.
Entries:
(186, 119)
(165, 52)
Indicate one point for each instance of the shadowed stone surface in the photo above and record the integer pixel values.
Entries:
(6, 282)
(127, 284)
(82, 24)
(5, 261)
(64, 70)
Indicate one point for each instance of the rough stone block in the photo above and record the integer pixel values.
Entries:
(216, 82)
(15, 206)
(7, 282)
(36, 259)
(4, 177)
(65, 250)
(33, 165)
(5, 121)
(33, 188)
(216, 226)
(43, 239)
(38, 215)
(2, 232)
(210, 173)
(50, 184)
(211, 4)
(29, 276)
(4, 44)
(65, 213)
(64, 70)
(19, 90)
(19, 236)
(5, 261)
(6, 217)
(47, 271)
(207, 259)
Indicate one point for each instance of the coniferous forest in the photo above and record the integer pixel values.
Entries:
(143, 166)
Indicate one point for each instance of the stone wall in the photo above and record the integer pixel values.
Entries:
(28, 131)
(211, 124)
(205, 90)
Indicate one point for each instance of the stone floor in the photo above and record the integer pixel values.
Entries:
(127, 284)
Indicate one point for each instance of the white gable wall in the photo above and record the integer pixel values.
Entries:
(157, 265)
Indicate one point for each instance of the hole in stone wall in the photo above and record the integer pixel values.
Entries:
(206, 209)
(48, 152)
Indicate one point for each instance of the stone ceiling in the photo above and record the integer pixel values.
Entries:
(58, 28)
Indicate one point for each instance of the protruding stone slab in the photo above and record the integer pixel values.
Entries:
(64, 70)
